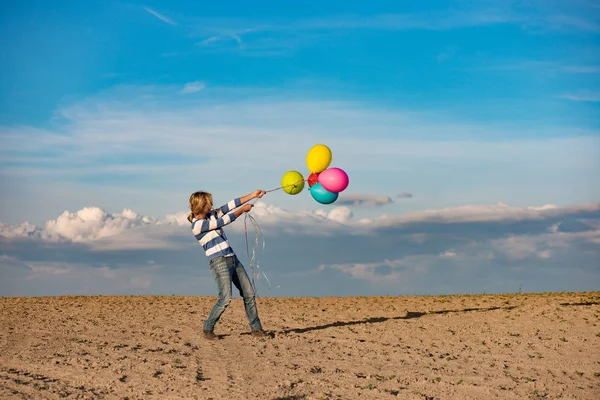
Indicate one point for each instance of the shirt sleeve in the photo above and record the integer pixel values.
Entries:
(205, 225)
(224, 209)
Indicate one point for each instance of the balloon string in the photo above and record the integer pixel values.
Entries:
(281, 187)
(258, 232)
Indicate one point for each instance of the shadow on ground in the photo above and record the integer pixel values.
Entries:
(586, 303)
(374, 320)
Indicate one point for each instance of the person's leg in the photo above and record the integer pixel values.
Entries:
(242, 283)
(222, 273)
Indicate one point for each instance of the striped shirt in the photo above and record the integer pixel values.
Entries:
(209, 233)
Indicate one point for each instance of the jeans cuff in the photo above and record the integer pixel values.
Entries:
(256, 327)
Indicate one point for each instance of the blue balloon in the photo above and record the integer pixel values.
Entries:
(322, 195)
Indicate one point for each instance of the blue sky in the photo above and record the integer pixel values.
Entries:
(475, 109)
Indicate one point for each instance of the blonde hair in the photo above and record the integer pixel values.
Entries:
(198, 203)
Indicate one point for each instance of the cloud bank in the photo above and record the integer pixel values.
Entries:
(471, 248)
(363, 200)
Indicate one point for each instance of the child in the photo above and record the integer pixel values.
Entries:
(207, 224)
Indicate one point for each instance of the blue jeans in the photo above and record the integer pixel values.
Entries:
(227, 270)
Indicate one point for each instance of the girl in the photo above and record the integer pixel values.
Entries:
(207, 224)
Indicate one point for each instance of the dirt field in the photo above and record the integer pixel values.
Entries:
(519, 346)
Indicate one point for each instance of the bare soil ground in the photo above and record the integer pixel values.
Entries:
(517, 346)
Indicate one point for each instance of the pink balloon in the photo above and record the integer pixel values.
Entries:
(334, 179)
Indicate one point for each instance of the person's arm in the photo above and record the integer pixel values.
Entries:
(230, 205)
(257, 194)
(224, 209)
(205, 225)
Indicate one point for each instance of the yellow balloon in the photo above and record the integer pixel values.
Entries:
(292, 182)
(318, 158)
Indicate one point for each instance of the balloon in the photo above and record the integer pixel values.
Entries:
(318, 158)
(292, 182)
(312, 179)
(334, 179)
(322, 195)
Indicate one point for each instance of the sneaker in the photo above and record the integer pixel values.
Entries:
(210, 335)
(259, 333)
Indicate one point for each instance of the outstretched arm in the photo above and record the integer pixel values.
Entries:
(224, 209)
(205, 225)
(254, 195)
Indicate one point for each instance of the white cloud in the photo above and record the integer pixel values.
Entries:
(99, 124)
(235, 27)
(482, 213)
(150, 124)
(340, 214)
(318, 222)
(226, 37)
(430, 21)
(193, 87)
(475, 254)
(129, 230)
(92, 251)
(448, 254)
(274, 35)
(160, 16)
(22, 230)
(86, 279)
(93, 223)
(443, 19)
(518, 247)
(210, 40)
(542, 246)
(584, 95)
(395, 270)
(146, 145)
(366, 272)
